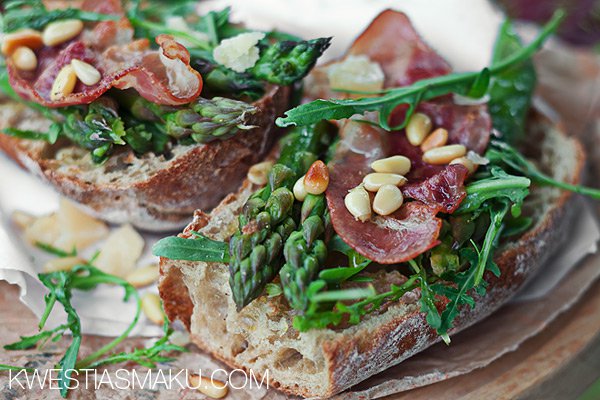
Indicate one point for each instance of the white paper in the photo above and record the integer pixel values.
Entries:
(20, 262)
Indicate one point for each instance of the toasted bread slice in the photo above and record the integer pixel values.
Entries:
(151, 192)
(325, 362)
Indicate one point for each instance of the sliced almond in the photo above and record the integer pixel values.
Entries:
(61, 31)
(143, 276)
(316, 179)
(121, 251)
(77, 229)
(86, 73)
(44, 230)
(152, 308)
(209, 387)
(24, 37)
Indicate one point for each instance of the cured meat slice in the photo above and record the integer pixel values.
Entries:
(396, 238)
(444, 190)
(163, 75)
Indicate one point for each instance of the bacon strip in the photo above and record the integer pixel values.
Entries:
(392, 42)
(163, 76)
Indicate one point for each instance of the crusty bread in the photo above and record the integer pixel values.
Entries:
(324, 362)
(151, 192)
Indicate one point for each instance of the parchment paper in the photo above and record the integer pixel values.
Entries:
(473, 348)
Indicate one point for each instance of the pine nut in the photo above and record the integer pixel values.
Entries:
(376, 180)
(22, 220)
(444, 154)
(86, 72)
(299, 189)
(63, 264)
(210, 387)
(152, 308)
(418, 128)
(470, 165)
(24, 59)
(395, 165)
(143, 276)
(358, 203)
(387, 200)
(258, 174)
(64, 84)
(61, 31)
(24, 37)
(438, 138)
(316, 179)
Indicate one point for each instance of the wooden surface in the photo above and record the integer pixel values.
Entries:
(559, 363)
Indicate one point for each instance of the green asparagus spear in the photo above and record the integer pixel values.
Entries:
(286, 62)
(305, 252)
(202, 121)
(266, 221)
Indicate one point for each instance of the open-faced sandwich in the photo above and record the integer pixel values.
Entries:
(136, 113)
(407, 203)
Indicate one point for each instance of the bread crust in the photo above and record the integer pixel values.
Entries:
(353, 354)
(163, 201)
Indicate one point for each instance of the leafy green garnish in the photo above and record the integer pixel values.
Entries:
(367, 301)
(469, 83)
(4, 367)
(48, 248)
(61, 285)
(510, 91)
(33, 14)
(504, 154)
(200, 248)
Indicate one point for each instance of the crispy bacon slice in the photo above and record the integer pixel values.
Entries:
(163, 76)
(391, 41)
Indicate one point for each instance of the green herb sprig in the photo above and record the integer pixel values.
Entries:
(61, 285)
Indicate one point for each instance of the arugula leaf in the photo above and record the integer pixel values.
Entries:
(147, 357)
(427, 299)
(498, 185)
(510, 91)
(4, 367)
(48, 248)
(502, 153)
(459, 83)
(61, 285)
(200, 248)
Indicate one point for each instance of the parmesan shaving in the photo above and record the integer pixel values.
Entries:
(239, 52)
